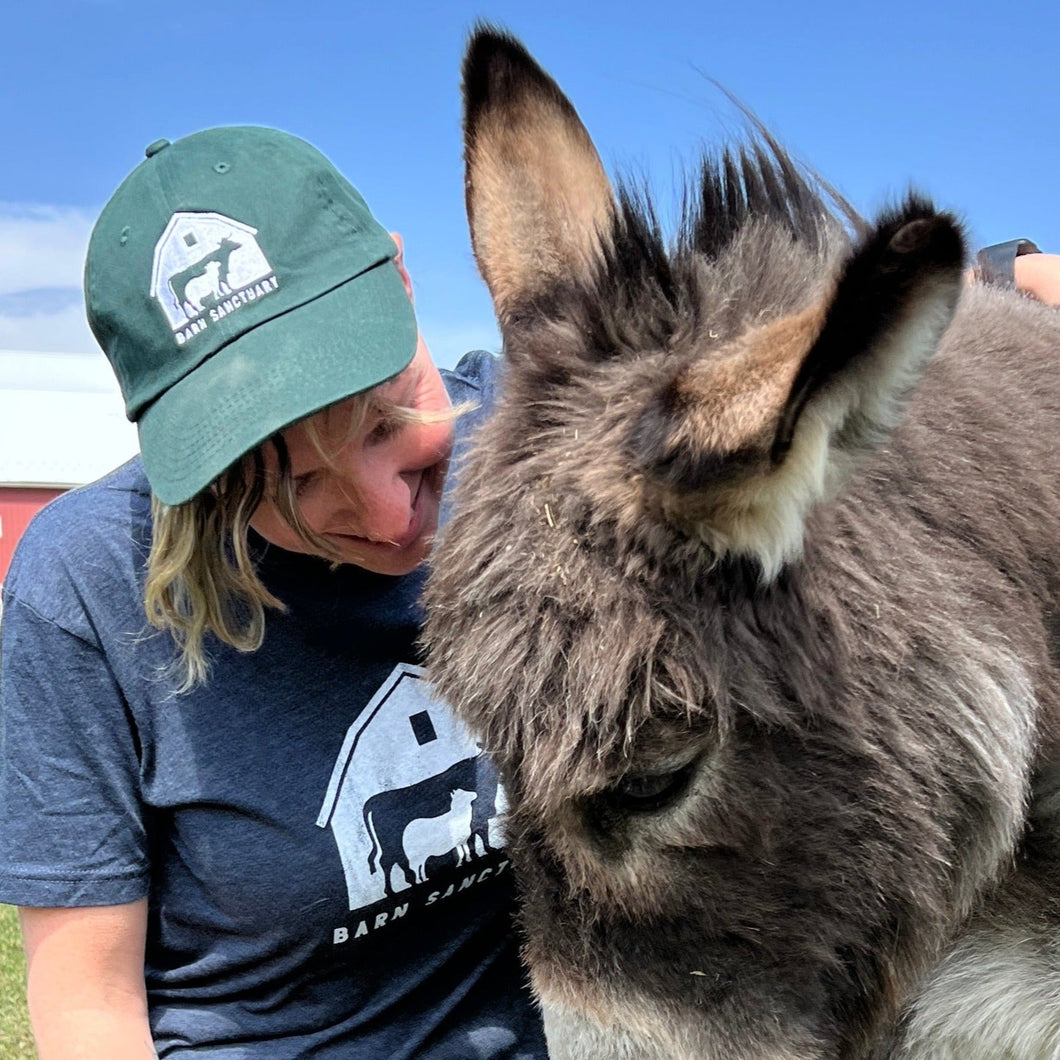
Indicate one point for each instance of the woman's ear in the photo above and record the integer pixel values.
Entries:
(399, 261)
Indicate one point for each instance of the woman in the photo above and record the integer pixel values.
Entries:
(250, 831)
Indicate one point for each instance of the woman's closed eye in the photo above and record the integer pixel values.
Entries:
(303, 483)
(386, 427)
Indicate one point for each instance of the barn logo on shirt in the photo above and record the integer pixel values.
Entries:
(414, 806)
(205, 267)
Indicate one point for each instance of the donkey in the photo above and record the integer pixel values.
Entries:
(752, 590)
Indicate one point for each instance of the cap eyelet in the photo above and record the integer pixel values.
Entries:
(124, 237)
(221, 167)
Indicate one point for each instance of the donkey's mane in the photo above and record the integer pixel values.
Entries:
(759, 180)
(749, 207)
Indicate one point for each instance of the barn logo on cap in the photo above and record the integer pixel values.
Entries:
(206, 266)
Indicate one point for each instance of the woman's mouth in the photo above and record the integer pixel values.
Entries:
(417, 517)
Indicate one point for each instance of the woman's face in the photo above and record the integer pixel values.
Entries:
(376, 498)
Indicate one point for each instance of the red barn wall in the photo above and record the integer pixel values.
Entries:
(18, 504)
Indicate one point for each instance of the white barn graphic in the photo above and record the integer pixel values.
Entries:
(200, 259)
(410, 794)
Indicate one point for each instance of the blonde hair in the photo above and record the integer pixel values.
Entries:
(201, 574)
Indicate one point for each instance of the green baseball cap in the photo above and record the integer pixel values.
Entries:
(237, 282)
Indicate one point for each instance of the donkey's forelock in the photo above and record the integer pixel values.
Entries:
(756, 239)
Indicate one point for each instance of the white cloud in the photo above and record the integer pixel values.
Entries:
(42, 254)
(42, 246)
(65, 329)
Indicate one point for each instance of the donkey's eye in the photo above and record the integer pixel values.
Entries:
(642, 793)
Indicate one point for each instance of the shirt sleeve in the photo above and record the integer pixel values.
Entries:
(71, 821)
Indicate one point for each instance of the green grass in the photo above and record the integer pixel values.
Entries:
(16, 1042)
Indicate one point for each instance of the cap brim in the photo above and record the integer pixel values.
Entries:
(354, 337)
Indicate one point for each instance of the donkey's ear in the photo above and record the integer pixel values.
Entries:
(538, 200)
(745, 441)
(893, 300)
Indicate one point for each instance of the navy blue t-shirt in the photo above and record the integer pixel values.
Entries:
(318, 839)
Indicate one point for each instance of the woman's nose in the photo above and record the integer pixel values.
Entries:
(375, 504)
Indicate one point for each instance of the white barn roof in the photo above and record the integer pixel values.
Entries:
(62, 422)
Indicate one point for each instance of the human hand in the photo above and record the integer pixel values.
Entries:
(1039, 276)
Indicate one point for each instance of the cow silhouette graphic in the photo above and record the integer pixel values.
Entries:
(435, 837)
(203, 291)
(187, 284)
(429, 820)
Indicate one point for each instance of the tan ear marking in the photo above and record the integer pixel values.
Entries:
(735, 399)
(538, 199)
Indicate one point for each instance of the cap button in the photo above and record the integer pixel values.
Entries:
(153, 149)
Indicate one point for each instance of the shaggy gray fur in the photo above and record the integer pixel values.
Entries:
(776, 710)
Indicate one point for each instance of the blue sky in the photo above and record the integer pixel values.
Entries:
(961, 100)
